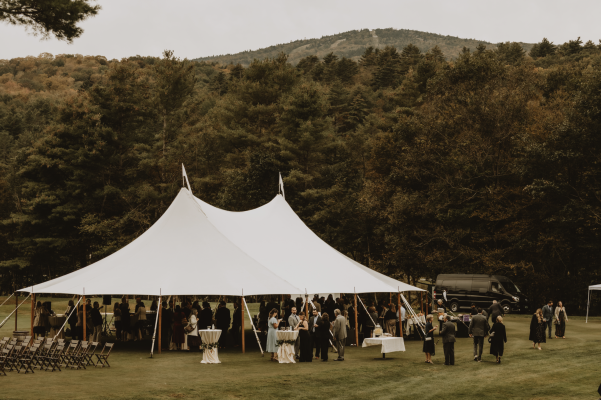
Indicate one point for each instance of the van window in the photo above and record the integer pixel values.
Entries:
(448, 285)
(494, 287)
(480, 285)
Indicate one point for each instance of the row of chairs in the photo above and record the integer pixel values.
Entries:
(51, 355)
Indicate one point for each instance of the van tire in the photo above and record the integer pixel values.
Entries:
(454, 306)
(506, 308)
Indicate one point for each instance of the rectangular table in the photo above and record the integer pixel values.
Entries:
(210, 336)
(388, 343)
(286, 351)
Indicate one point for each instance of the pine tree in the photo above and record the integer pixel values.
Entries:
(369, 57)
(388, 72)
(346, 70)
(510, 53)
(542, 49)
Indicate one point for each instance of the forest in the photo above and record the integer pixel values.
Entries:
(406, 161)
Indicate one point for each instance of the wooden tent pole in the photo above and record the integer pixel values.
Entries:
(400, 315)
(160, 324)
(16, 309)
(242, 322)
(85, 337)
(32, 314)
(356, 323)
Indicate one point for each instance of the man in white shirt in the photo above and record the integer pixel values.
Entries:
(403, 319)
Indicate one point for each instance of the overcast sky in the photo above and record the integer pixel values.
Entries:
(195, 28)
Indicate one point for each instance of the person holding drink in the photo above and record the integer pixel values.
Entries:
(272, 337)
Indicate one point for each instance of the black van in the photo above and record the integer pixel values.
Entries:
(481, 290)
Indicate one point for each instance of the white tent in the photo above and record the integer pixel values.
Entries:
(588, 304)
(181, 254)
(277, 238)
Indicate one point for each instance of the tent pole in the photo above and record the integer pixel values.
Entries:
(356, 323)
(160, 324)
(32, 313)
(421, 302)
(154, 334)
(11, 314)
(400, 315)
(307, 307)
(588, 304)
(16, 309)
(85, 336)
(242, 320)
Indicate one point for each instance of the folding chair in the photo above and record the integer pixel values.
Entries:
(91, 353)
(4, 353)
(26, 360)
(68, 354)
(15, 354)
(6, 338)
(79, 359)
(103, 358)
(52, 359)
(42, 356)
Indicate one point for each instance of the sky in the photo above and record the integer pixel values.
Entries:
(199, 28)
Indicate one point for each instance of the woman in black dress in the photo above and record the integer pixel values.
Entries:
(429, 347)
(498, 338)
(537, 329)
(324, 336)
(306, 353)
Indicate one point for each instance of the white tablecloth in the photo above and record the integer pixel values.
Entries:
(389, 344)
(286, 351)
(210, 336)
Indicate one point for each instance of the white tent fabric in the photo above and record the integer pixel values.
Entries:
(277, 238)
(588, 303)
(181, 254)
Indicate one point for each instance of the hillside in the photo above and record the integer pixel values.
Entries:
(352, 44)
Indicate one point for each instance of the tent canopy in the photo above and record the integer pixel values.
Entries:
(595, 287)
(181, 254)
(195, 248)
(277, 238)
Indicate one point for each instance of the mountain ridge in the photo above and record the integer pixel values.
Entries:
(352, 44)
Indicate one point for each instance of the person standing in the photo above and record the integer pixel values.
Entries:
(314, 322)
(495, 310)
(441, 309)
(222, 321)
(498, 338)
(140, 319)
(272, 337)
(403, 323)
(39, 323)
(166, 325)
(125, 318)
(293, 321)
(306, 354)
(205, 316)
(71, 313)
(478, 329)
(192, 330)
(560, 320)
(236, 324)
(537, 329)
(339, 334)
(117, 319)
(473, 310)
(390, 320)
(448, 340)
(324, 336)
(429, 348)
(548, 316)
(96, 322)
(178, 328)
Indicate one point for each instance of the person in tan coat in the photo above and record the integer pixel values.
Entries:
(339, 334)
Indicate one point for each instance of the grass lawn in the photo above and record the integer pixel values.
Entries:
(563, 369)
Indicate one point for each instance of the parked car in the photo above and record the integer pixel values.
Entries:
(464, 289)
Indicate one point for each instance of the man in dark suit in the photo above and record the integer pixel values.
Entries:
(222, 321)
(271, 305)
(548, 315)
(495, 310)
(448, 340)
(314, 321)
(166, 324)
(478, 330)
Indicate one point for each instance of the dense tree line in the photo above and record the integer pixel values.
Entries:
(404, 161)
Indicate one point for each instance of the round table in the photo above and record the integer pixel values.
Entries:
(286, 351)
(210, 336)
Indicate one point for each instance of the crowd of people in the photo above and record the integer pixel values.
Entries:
(479, 329)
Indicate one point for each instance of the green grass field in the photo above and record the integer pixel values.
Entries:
(563, 369)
